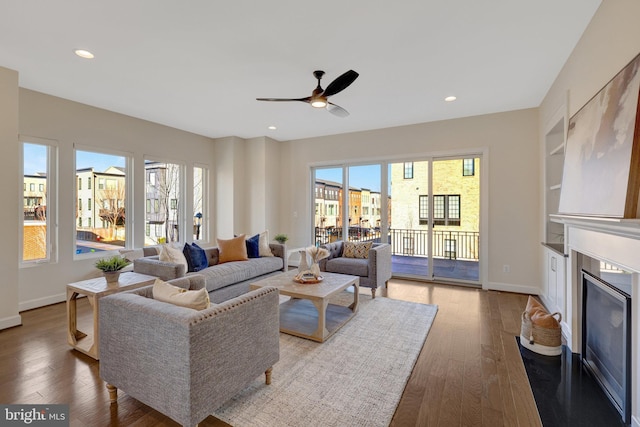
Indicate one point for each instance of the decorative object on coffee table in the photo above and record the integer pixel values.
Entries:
(111, 267)
(310, 273)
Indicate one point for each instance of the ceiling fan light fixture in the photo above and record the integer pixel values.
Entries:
(319, 102)
(82, 53)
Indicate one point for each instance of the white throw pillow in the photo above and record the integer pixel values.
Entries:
(166, 292)
(171, 254)
(263, 244)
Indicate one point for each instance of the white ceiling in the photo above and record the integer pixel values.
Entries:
(199, 65)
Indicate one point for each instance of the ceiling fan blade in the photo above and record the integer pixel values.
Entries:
(341, 83)
(307, 99)
(337, 110)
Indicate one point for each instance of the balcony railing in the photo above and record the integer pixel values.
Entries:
(446, 244)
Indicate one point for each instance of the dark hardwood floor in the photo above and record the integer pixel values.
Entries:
(469, 372)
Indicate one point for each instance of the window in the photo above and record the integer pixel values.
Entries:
(105, 211)
(423, 209)
(408, 170)
(446, 210)
(199, 212)
(163, 184)
(468, 167)
(148, 206)
(37, 219)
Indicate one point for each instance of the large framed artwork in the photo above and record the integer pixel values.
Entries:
(601, 174)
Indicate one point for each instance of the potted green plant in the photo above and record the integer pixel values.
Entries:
(111, 267)
(281, 238)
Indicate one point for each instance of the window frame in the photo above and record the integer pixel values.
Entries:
(408, 170)
(129, 200)
(51, 233)
(182, 200)
(442, 216)
(466, 171)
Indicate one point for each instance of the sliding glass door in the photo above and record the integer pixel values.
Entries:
(428, 211)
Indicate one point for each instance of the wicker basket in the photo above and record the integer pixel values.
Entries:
(547, 341)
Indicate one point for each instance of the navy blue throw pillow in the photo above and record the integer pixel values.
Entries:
(200, 261)
(253, 246)
(196, 257)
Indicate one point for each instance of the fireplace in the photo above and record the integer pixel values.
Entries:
(606, 339)
(590, 242)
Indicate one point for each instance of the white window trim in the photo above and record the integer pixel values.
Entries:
(52, 201)
(128, 170)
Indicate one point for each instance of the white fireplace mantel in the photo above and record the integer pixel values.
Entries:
(615, 241)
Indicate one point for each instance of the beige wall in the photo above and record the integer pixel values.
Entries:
(509, 141)
(10, 196)
(70, 123)
(611, 40)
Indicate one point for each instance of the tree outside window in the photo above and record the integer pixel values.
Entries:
(163, 186)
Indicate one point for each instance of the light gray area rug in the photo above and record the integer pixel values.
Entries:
(356, 378)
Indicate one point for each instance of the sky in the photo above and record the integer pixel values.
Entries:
(359, 176)
(35, 159)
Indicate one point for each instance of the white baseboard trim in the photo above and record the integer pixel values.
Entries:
(41, 302)
(9, 322)
(508, 287)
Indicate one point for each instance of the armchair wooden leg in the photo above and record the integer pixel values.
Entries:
(373, 293)
(113, 393)
(267, 375)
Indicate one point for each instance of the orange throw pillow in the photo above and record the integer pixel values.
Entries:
(233, 249)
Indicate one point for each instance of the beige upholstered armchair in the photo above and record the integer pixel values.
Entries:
(182, 362)
(374, 271)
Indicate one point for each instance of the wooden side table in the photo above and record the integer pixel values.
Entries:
(94, 289)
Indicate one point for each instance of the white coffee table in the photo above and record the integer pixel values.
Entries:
(308, 314)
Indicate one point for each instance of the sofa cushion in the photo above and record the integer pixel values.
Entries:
(166, 292)
(253, 246)
(229, 273)
(264, 248)
(196, 258)
(233, 249)
(357, 249)
(171, 254)
(352, 266)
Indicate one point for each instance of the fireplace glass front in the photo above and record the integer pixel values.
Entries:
(606, 341)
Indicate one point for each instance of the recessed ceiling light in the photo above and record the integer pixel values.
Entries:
(450, 98)
(273, 127)
(84, 54)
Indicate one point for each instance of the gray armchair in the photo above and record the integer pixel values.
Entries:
(374, 272)
(182, 362)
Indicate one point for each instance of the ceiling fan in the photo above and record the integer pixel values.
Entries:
(318, 98)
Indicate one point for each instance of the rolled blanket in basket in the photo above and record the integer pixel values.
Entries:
(541, 331)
